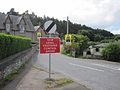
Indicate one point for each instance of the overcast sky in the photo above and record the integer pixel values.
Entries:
(104, 14)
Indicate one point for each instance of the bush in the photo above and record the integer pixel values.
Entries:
(10, 45)
(107, 41)
(79, 44)
(112, 52)
(92, 43)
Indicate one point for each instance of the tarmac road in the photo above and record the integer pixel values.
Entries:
(95, 74)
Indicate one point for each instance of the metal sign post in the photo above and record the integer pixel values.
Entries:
(50, 66)
(48, 46)
(54, 44)
(67, 24)
(49, 63)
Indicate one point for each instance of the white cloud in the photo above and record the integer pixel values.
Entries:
(116, 31)
(94, 13)
(97, 14)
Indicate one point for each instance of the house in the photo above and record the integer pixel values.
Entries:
(94, 51)
(43, 33)
(17, 25)
(38, 29)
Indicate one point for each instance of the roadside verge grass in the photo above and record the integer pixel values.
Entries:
(57, 83)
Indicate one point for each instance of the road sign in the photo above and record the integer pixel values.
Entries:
(49, 45)
(50, 26)
(68, 39)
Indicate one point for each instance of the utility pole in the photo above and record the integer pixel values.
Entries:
(67, 24)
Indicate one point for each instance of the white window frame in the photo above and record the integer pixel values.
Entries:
(7, 27)
(22, 28)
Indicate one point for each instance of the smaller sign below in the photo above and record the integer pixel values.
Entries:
(49, 45)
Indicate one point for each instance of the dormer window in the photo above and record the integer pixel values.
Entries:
(8, 28)
(22, 28)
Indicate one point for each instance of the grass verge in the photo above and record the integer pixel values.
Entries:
(11, 76)
(57, 83)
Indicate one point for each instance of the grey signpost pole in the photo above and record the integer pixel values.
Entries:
(67, 24)
(50, 28)
(49, 63)
(49, 66)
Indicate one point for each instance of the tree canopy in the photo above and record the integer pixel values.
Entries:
(13, 12)
(92, 34)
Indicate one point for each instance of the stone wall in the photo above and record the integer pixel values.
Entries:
(8, 64)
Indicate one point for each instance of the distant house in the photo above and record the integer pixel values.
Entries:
(17, 25)
(43, 33)
(38, 29)
(94, 51)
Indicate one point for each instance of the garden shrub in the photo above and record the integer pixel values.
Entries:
(79, 44)
(10, 45)
(112, 52)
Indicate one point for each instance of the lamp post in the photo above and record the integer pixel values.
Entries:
(67, 24)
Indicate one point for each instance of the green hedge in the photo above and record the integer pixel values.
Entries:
(10, 45)
(112, 52)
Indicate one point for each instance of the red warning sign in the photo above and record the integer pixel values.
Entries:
(49, 45)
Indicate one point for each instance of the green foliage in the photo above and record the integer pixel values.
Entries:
(92, 43)
(117, 37)
(10, 45)
(79, 43)
(55, 83)
(112, 52)
(38, 34)
(87, 33)
(92, 34)
(11, 75)
(95, 34)
(107, 41)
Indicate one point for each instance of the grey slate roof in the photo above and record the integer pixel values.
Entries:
(2, 19)
(36, 27)
(29, 23)
(16, 20)
(19, 19)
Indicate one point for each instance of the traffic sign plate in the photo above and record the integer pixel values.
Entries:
(50, 26)
(49, 45)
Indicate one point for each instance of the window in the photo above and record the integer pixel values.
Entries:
(22, 28)
(88, 53)
(97, 50)
(8, 28)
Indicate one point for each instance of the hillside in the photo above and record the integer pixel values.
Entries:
(93, 34)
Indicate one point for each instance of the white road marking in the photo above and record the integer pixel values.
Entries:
(118, 68)
(86, 67)
(113, 68)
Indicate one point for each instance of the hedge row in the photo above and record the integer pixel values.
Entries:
(112, 52)
(10, 45)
